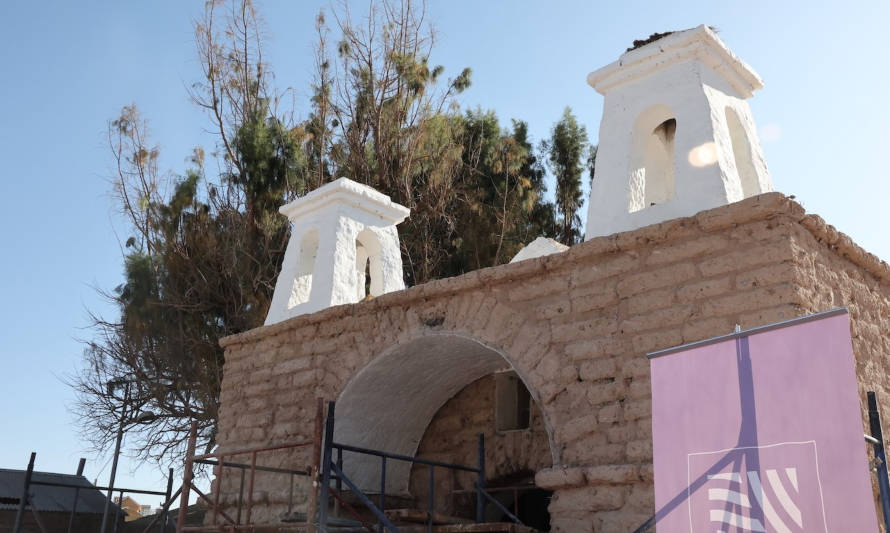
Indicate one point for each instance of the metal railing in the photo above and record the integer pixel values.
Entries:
(25, 499)
(248, 472)
(332, 470)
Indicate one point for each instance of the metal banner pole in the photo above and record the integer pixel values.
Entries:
(874, 422)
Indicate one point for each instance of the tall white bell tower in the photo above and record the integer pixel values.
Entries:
(677, 136)
(343, 247)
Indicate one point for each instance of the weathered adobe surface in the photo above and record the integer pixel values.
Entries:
(575, 326)
(452, 436)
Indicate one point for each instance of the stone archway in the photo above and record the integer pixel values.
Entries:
(389, 403)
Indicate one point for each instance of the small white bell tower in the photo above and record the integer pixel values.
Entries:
(677, 136)
(343, 247)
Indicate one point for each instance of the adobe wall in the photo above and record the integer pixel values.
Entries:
(575, 326)
(452, 437)
(832, 271)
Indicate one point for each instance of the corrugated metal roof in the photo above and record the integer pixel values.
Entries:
(47, 498)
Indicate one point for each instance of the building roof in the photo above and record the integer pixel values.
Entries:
(48, 498)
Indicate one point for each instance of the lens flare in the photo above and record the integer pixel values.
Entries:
(771, 132)
(703, 155)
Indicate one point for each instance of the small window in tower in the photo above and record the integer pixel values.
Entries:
(512, 402)
(652, 159)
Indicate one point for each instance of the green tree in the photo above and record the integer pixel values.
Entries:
(567, 151)
(205, 251)
(540, 219)
(501, 185)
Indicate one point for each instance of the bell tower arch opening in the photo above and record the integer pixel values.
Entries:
(742, 154)
(368, 264)
(652, 161)
(301, 290)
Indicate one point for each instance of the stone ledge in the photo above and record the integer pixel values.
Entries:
(842, 244)
(756, 208)
(563, 477)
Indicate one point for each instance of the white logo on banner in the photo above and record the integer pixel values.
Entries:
(762, 489)
(767, 497)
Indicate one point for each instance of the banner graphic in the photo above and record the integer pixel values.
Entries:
(762, 432)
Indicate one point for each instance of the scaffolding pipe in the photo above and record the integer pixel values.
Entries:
(480, 481)
(17, 526)
(187, 477)
(80, 466)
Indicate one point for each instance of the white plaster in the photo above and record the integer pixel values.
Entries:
(647, 173)
(538, 248)
(336, 230)
(389, 403)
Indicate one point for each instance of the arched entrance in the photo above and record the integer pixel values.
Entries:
(389, 404)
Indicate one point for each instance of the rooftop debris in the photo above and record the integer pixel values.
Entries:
(651, 39)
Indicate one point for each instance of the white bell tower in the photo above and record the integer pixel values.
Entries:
(677, 136)
(343, 247)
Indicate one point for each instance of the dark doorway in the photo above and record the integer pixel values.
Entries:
(518, 493)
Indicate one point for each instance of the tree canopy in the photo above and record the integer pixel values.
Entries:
(205, 247)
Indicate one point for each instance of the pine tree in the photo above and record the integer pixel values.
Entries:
(567, 152)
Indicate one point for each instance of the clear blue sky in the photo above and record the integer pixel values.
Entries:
(68, 67)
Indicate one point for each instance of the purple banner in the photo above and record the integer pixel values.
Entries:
(762, 433)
